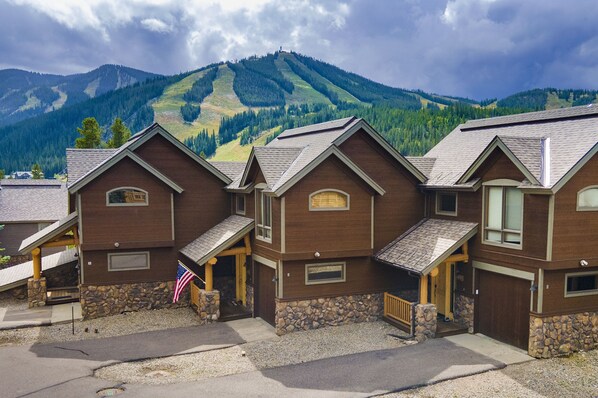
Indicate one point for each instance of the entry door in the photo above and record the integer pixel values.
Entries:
(442, 290)
(266, 288)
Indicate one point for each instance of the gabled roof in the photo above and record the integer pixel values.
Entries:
(573, 134)
(295, 152)
(32, 201)
(50, 232)
(427, 244)
(129, 147)
(80, 161)
(231, 169)
(218, 238)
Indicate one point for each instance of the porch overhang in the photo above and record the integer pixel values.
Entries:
(53, 235)
(428, 244)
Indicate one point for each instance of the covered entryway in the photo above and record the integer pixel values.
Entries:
(265, 306)
(502, 307)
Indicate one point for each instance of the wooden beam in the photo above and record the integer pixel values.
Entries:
(59, 243)
(231, 252)
(210, 274)
(37, 263)
(76, 235)
(448, 291)
(423, 289)
(465, 248)
(455, 258)
(247, 245)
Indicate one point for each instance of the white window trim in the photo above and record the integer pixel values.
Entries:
(259, 191)
(147, 254)
(579, 208)
(343, 279)
(348, 207)
(126, 204)
(578, 294)
(237, 197)
(502, 182)
(443, 212)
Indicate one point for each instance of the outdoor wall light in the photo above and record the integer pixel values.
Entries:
(317, 254)
(583, 263)
(116, 244)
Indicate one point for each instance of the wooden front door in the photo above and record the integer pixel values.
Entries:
(442, 290)
(502, 308)
(265, 306)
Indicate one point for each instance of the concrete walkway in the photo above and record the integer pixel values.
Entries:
(39, 316)
(491, 348)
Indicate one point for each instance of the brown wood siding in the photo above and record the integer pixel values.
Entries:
(105, 225)
(403, 204)
(323, 231)
(555, 301)
(576, 232)
(363, 275)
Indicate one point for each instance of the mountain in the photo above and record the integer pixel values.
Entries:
(223, 109)
(26, 94)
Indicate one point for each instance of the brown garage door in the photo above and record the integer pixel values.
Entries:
(265, 305)
(502, 308)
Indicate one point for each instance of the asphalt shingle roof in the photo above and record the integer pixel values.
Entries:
(218, 238)
(426, 244)
(42, 201)
(231, 169)
(80, 161)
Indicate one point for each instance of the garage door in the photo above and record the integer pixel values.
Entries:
(502, 308)
(265, 305)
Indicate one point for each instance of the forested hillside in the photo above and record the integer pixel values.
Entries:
(222, 109)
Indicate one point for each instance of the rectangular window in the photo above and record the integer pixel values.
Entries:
(581, 284)
(324, 273)
(240, 204)
(504, 215)
(264, 216)
(446, 203)
(128, 261)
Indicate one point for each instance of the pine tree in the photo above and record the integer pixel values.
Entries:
(2, 174)
(37, 172)
(91, 134)
(120, 134)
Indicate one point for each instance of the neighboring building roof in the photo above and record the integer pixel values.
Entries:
(426, 244)
(573, 134)
(218, 238)
(424, 165)
(128, 148)
(29, 201)
(231, 169)
(295, 152)
(80, 161)
(50, 232)
(17, 275)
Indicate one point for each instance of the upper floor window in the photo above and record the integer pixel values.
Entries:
(328, 199)
(126, 196)
(240, 204)
(446, 203)
(264, 216)
(503, 215)
(587, 199)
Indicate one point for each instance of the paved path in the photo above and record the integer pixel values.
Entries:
(11, 318)
(66, 369)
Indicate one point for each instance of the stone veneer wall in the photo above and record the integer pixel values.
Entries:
(209, 306)
(18, 293)
(103, 300)
(226, 286)
(551, 336)
(463, 311)
(62, 276)
(425, 321)
(36, 292)
(331, 311)
(249, 297)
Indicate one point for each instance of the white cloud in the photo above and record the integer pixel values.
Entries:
(156, 25)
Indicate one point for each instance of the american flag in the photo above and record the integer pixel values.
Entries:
(183, 277)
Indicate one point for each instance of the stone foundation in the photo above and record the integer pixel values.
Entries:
(425, 321)
(64, 275)
(18, 293)
(551, 336)
(316, 313)
(249, 295)
(226, 286)
(209, 306)
(105, 300)
(463, 311)
(36, 292)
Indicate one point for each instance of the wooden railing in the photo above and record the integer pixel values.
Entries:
(194, 295)
(398, 309)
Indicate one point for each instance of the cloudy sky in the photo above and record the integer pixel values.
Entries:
(474, 48)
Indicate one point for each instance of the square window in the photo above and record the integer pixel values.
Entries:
(446, 203)
(240, 204)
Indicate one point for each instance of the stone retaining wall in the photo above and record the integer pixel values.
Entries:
(316, 313)
(36, 292)
(551, 336)
(425, 321)
(104, 300)
(463, 311)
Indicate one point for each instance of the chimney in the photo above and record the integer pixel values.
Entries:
(545, 153)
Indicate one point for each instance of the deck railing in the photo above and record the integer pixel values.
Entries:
(398, 309)
(194, 295)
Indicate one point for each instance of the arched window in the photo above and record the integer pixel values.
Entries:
(329, 199)
(126, 196)
(587, 199)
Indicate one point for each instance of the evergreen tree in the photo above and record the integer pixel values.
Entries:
(1, 174)
(37, 172)
(91, 134)
(120, 134)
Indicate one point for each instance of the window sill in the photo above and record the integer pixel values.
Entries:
(504, 245)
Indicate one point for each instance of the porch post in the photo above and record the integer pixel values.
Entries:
(210, 274)
(423, 289)
(37, 263)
